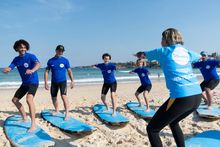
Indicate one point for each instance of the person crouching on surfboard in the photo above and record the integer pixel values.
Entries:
(110, 82)
(185, 92)
(27, 65)
(210, 75)
(58, 66)
(146, 85)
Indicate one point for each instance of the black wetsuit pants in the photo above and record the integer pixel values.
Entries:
(180, 108)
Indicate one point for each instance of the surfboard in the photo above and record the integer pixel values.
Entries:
(106, 116)
(70, 126)
(17, 134)
(210, 138)
(214, 112)
(140, 111)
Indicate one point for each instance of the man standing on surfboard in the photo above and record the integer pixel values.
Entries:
(27, 65)
(58, 66)
(185, 92)
(110, 82)
(210, 75)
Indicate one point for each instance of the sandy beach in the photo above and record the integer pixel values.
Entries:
(82, 98)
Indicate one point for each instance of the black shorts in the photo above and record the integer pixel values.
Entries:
(23, 89)
(211, 84)
(55, 86)
(142, 88)
(112, 86)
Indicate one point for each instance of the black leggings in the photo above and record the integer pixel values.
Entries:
(180, 109)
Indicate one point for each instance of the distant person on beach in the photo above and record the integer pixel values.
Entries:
(58, 66)
(108, 70)
(27, 65)
(146, 85)
(185, 92)
(158, 75)
(210, 75)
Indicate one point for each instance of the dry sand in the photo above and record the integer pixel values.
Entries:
(82, 98)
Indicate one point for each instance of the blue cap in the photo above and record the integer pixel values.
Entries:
(203, 53)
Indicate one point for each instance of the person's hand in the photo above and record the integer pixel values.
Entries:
(71, 84)
(140, 55)
(29, 72)
(6, 70)
(46, 86)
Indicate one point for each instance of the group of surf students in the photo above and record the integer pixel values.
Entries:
(175, 60)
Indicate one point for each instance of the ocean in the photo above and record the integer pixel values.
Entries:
(82, 76)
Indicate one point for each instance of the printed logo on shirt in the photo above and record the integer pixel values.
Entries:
(26, 65)
(143, 75)
(109, 71)
(207, 67)
(61, 65)
(180, 56)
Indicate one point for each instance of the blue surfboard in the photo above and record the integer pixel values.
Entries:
(209, 138)
(140, 111)
(214, 112)
(70, 126)
(17, 133)
(106, 116)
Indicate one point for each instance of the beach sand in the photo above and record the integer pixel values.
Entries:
(82, 98)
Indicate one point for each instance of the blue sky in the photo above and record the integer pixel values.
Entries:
(89, 28)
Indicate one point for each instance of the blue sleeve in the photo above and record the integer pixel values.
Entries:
(194, 57)
(67, 64)
(13, 64)
(216, 62)
(48, 65)
(98, 66)
(154, 54)
(196, 65)
(146, 70)
(135, 70)
(113, 67)
(34, 58)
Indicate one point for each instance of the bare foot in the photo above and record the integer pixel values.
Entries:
(209, 107)
(67, 117)
(215, 93)
(107, 109)
(114, 114)
(31, 129)
(22, 120)
(55, 113)
(147, 110)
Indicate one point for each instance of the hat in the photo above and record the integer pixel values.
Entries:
(203, 53)
(60, 47)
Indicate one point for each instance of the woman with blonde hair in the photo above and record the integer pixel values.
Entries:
(185, 92)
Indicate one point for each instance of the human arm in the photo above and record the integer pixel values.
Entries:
(70, 73)
(95, 66)
(36, 67)
(150, 55)
(46, 73)
(6, 70)
(131, 72)
(10, 67)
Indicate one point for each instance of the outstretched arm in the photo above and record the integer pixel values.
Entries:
(6, 70)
